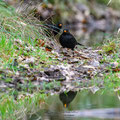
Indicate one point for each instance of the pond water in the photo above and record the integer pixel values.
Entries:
(82, 105)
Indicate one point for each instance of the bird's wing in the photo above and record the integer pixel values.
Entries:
(71, 39)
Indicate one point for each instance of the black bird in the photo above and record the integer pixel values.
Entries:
(67, 40)
(67, 98)
(57, 28)
(54, 29)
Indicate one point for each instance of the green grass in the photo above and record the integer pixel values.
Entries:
(111, 54)
(26, 105)
(18, 36)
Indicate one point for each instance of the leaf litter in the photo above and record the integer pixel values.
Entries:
(69, 70)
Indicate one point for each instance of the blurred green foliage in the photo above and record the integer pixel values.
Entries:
(112, 3)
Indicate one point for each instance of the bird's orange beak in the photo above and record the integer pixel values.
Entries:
(65, 105)
(60, 24)
(65, 31)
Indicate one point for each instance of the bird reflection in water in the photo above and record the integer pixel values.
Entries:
(67, 97)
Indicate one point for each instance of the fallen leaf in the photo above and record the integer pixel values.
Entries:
(47, 48)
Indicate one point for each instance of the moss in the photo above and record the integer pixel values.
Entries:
(110, 48)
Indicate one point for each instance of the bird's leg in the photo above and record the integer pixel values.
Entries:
(72, 51)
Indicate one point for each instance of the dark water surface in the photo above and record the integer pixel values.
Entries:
(82, 105)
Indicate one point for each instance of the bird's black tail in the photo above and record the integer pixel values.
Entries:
(80, 44)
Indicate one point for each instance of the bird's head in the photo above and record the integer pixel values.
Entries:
(59, 25)
(65, 31)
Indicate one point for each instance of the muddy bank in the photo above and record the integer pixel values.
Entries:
(70, 72)
(65, 72)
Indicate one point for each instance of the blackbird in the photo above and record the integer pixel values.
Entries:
(67, 40)
(57, 28)
(67, 98)
(54, 29)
